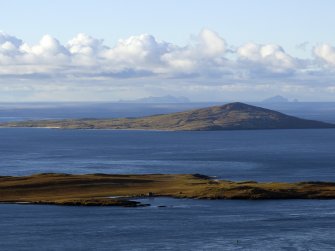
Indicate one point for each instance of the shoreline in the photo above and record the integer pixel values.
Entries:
(156, 130)
(123, 190)
(231, 116)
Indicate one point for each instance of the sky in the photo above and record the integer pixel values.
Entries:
(206, 50)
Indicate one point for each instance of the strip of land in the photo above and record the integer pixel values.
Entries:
(122, 190)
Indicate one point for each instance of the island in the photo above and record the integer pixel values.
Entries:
(232, 116)
(122, 190)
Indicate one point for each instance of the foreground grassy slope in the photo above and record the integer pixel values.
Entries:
(234, 116)
(96, 189)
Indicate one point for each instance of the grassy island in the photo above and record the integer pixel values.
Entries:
(233, 116)
(122, 190)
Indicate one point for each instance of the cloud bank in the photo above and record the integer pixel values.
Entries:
(145, 65)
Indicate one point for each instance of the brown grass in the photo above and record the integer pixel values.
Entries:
(95, 189)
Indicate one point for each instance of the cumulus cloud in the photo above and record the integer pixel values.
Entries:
(9, 42)
(208, 49)
(84, 44)
(9, 48)
(19, 58)
(141, 52)
(85, 50)
(207, 61)
(326, 53)
(87, 56)
(270, 57)
(47, 51)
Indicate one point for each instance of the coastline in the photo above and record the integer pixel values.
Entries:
(122, 190)
(231, 116)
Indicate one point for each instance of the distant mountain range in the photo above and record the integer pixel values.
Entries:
(233, 116)
(161, 99)
(276, 99)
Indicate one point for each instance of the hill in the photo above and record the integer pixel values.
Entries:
(276, 99)
(233, 116)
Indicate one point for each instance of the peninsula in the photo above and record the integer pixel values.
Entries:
(122, 190)
(233, 116)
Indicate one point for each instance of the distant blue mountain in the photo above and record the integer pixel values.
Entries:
(276, 99)
(161, 99)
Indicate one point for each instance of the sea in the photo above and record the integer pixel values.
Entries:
(182, 224)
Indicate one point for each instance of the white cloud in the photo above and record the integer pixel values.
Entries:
(209, 49)
(18, 58)
(270, 56)
(85, 45)
(331, 89)
(205, 63)
(47, 51)
(8, 42)
(210, 44)
(326, 53)
(138, 52)
(86, 50)
(9, 48)
(85, 55)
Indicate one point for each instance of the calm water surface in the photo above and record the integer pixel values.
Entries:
(267, 155)
(182, 225)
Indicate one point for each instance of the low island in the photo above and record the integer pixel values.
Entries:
(233, 116)
(122, 190)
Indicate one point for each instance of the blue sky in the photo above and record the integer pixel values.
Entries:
(205, 50)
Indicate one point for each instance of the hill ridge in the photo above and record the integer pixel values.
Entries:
(231, 116)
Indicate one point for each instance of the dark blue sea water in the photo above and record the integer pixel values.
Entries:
(182, 225)
(265, 155)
